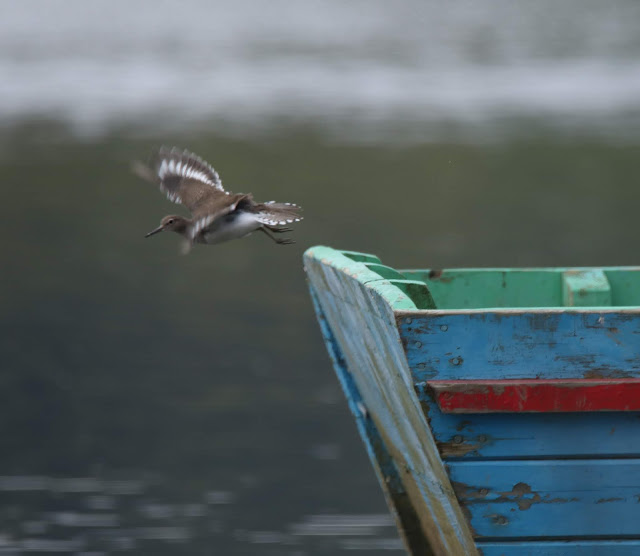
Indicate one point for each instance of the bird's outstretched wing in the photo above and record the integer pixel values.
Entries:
(183, 177)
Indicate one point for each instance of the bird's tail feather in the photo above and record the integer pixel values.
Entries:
(278, 214)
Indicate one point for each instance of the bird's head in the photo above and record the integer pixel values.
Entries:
(171, 223)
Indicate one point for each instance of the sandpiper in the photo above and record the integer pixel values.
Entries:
(217, 215)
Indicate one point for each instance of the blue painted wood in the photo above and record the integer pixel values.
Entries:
(561, 548)
(384, 352)
(552, 498)
(358, 307)
(533, 435)
(513, 344)
(380, 459)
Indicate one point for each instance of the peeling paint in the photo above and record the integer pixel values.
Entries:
(456, 449)
(465, 491)
(606, 373)
(521, 494)
(498, 519)
(543, 321)
(520, 344)
(366, 330)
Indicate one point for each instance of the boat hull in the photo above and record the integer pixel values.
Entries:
(493, 430)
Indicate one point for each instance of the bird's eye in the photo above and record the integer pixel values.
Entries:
(170, 221)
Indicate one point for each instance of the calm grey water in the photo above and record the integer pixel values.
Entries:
(158, 404)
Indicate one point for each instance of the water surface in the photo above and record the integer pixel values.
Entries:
(157, 404)
(154, 403)
(363, 70)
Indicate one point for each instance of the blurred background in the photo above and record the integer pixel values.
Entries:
(155, 404)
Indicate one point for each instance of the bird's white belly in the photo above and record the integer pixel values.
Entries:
(227, 229)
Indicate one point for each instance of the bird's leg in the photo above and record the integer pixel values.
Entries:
(279, 241)
(280, 230)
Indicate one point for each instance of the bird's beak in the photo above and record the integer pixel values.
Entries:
(153, 232)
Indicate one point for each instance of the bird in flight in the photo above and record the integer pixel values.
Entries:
(217, 215)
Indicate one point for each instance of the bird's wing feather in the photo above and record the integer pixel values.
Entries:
(184, 178)
(184, 164)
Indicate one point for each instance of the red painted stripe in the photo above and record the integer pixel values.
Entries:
(536, 396)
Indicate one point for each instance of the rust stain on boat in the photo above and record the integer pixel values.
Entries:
(462, 425)
(542, 321)
(498, 519)
(466, 491)
(457, 447)
(605, 373)
(521, 494)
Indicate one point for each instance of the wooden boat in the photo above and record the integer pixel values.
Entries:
(499, 407)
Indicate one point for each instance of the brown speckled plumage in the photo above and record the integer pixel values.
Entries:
(216, 215)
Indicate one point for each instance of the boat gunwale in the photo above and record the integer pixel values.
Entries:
(628, 310)
(359, 271)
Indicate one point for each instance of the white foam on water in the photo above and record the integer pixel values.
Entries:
(359, 69)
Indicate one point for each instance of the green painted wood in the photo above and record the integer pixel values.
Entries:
(381, 291)
(625, 286)
(585, 288)
(481, 288)
(385, 271)
(361, 257)
(484, 288)
(359, 310)
(417, 291)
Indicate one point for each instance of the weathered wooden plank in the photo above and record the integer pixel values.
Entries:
(360, 315)
(593, 344)
(474, 288)
(360, 257)
(385, 271)
(625, 286)
(552, 498)
(388, 476)
(512, 344)
(585, 288)
(561, 548)
(536, 396)
(417, 291)
(537, 435)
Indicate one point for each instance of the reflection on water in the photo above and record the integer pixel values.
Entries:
(342, 525)
(92, 516)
